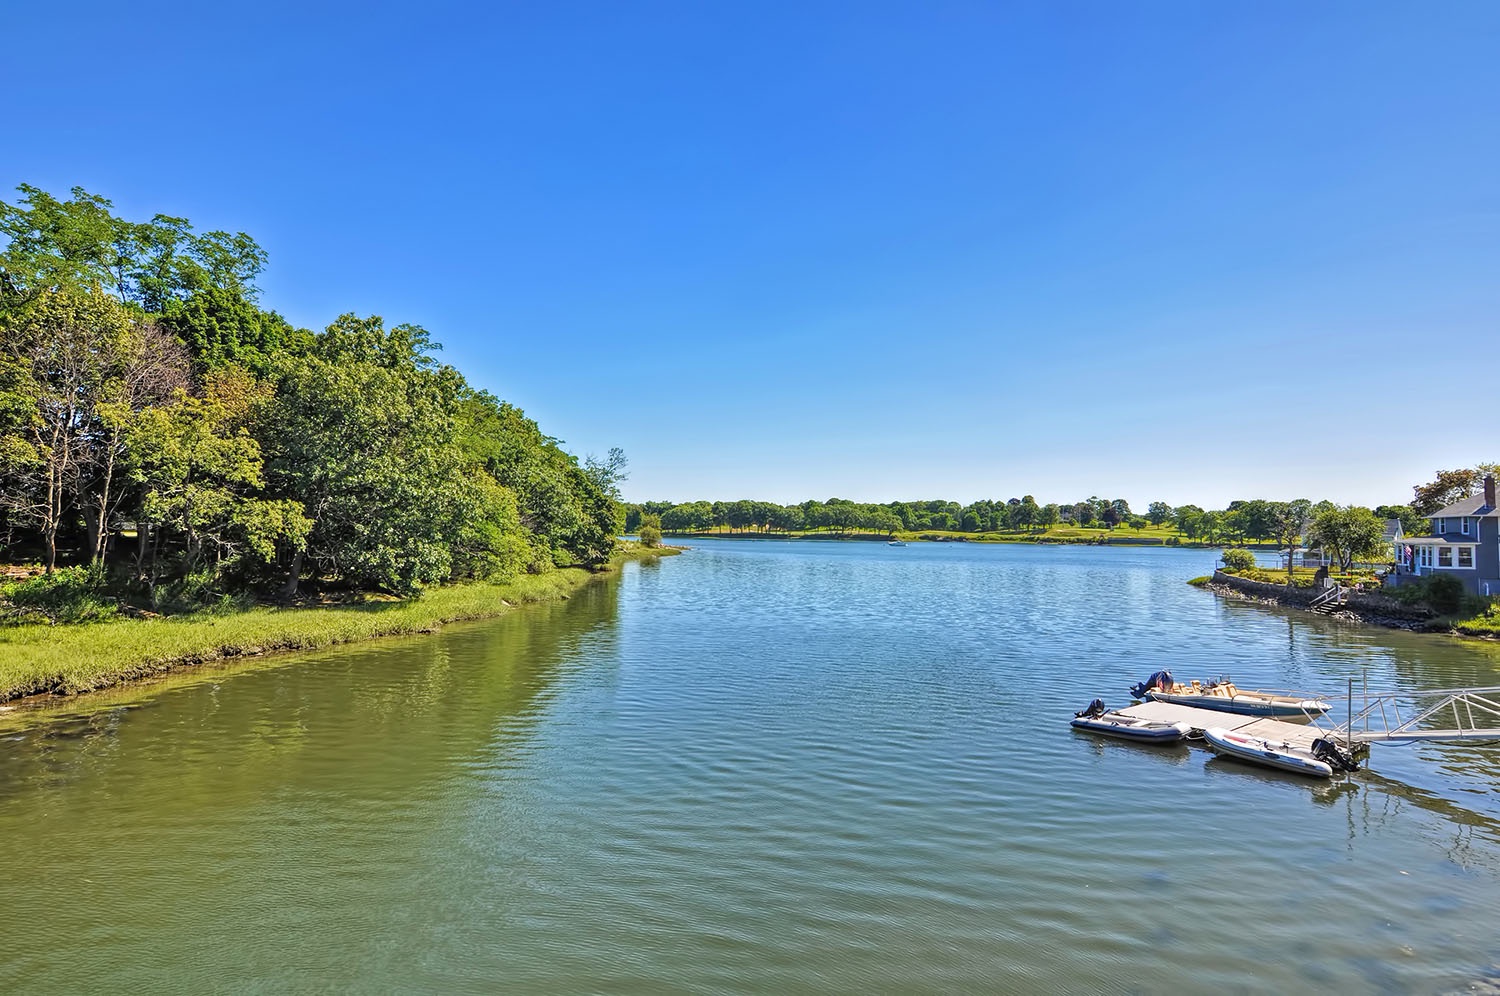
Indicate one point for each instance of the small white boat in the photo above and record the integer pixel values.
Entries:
(1256, 750)
(895, 542)
(1224, 696)
(1097, 719)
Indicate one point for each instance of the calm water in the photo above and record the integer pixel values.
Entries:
(759, 766)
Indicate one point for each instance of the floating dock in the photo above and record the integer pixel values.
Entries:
(1275, 730)
(1445, 714)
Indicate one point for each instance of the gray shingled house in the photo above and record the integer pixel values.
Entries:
(1465, 542)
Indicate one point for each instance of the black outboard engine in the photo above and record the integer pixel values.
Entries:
(1093, 709)
(1160, 680)
(1333, 755)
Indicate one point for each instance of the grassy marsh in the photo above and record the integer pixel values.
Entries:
(68, 659)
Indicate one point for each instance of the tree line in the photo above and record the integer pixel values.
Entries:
(1348, 532)
(160, 426)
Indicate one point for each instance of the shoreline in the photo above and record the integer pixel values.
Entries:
(1370, 609)
(67, 661)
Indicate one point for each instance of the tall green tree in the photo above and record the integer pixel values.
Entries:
(1448, 487)
(201, 475)
(363, 434)
(81, 366)
(1351, 532)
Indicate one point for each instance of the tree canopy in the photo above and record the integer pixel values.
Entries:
(155, 420)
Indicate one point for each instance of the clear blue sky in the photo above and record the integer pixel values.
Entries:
(1181, 251)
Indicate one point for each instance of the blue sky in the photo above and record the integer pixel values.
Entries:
(1177, 251)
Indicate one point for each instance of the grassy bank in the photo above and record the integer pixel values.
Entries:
(80, 658)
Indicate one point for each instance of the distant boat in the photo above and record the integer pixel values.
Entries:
(1097, 719)
(1223, 696)
(895, 542)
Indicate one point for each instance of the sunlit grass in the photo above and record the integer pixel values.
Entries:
(68, 659)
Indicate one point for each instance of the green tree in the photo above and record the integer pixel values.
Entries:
(1351, 532)
(80, 366)
(1158, 512)
(201, 473)
(363, 433)
(650, 530)
(1289, 520)
(1189, 520)
(1412, 523)
(1447, 488)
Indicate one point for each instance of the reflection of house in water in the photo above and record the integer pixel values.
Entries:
(1464, 542)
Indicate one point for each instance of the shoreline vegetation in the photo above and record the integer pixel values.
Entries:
(1163, 536)
(187, 477)
(64, 660)
(1419, 608)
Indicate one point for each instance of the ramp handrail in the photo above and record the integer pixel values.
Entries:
(1475, 714)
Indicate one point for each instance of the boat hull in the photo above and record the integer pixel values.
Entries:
(1243, 704)
(1126, 728)
(1254, 750)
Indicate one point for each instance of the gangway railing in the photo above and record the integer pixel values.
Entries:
(1441, 714)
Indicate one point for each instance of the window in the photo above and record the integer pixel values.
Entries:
(1445, 556)
(1463, 525)
(1438, 527)
(1466, 557)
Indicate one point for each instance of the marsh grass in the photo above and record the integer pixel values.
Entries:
(71, 659)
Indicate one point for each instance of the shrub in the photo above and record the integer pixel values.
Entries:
(69, 594)
(1238, 560)
(1445, 593)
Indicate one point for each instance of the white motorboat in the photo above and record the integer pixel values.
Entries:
(1257, 750)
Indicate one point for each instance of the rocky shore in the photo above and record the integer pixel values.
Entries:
(1368, 607)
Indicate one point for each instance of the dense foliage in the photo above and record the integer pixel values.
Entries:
(160, 427)
(1347, 532)
(1243, 521)
(1238, 559)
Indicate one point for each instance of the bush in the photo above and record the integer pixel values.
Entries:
(650, 536)
(67, 595)
(1238, 560)
(1445, 593)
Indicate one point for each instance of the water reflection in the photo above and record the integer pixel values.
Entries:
(795, 767)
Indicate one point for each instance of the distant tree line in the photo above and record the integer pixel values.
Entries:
(161, 426)
(1348, 532)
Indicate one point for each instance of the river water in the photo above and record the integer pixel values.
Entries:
(760, 766)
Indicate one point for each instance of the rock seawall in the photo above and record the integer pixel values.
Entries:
(1361, 606)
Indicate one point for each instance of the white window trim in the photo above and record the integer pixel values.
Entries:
(1426, 556)
(1463, 525)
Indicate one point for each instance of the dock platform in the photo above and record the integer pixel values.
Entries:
(1274, 730)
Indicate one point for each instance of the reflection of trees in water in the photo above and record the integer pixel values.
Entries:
(410, 705)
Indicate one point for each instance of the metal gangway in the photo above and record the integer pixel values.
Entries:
(1442, 714)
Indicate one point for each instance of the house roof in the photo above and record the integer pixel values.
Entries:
(1472, 506)
(1392, 530)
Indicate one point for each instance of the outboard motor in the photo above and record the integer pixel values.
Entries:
(1093, 709)
(1161, 680)
(1333, 755)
